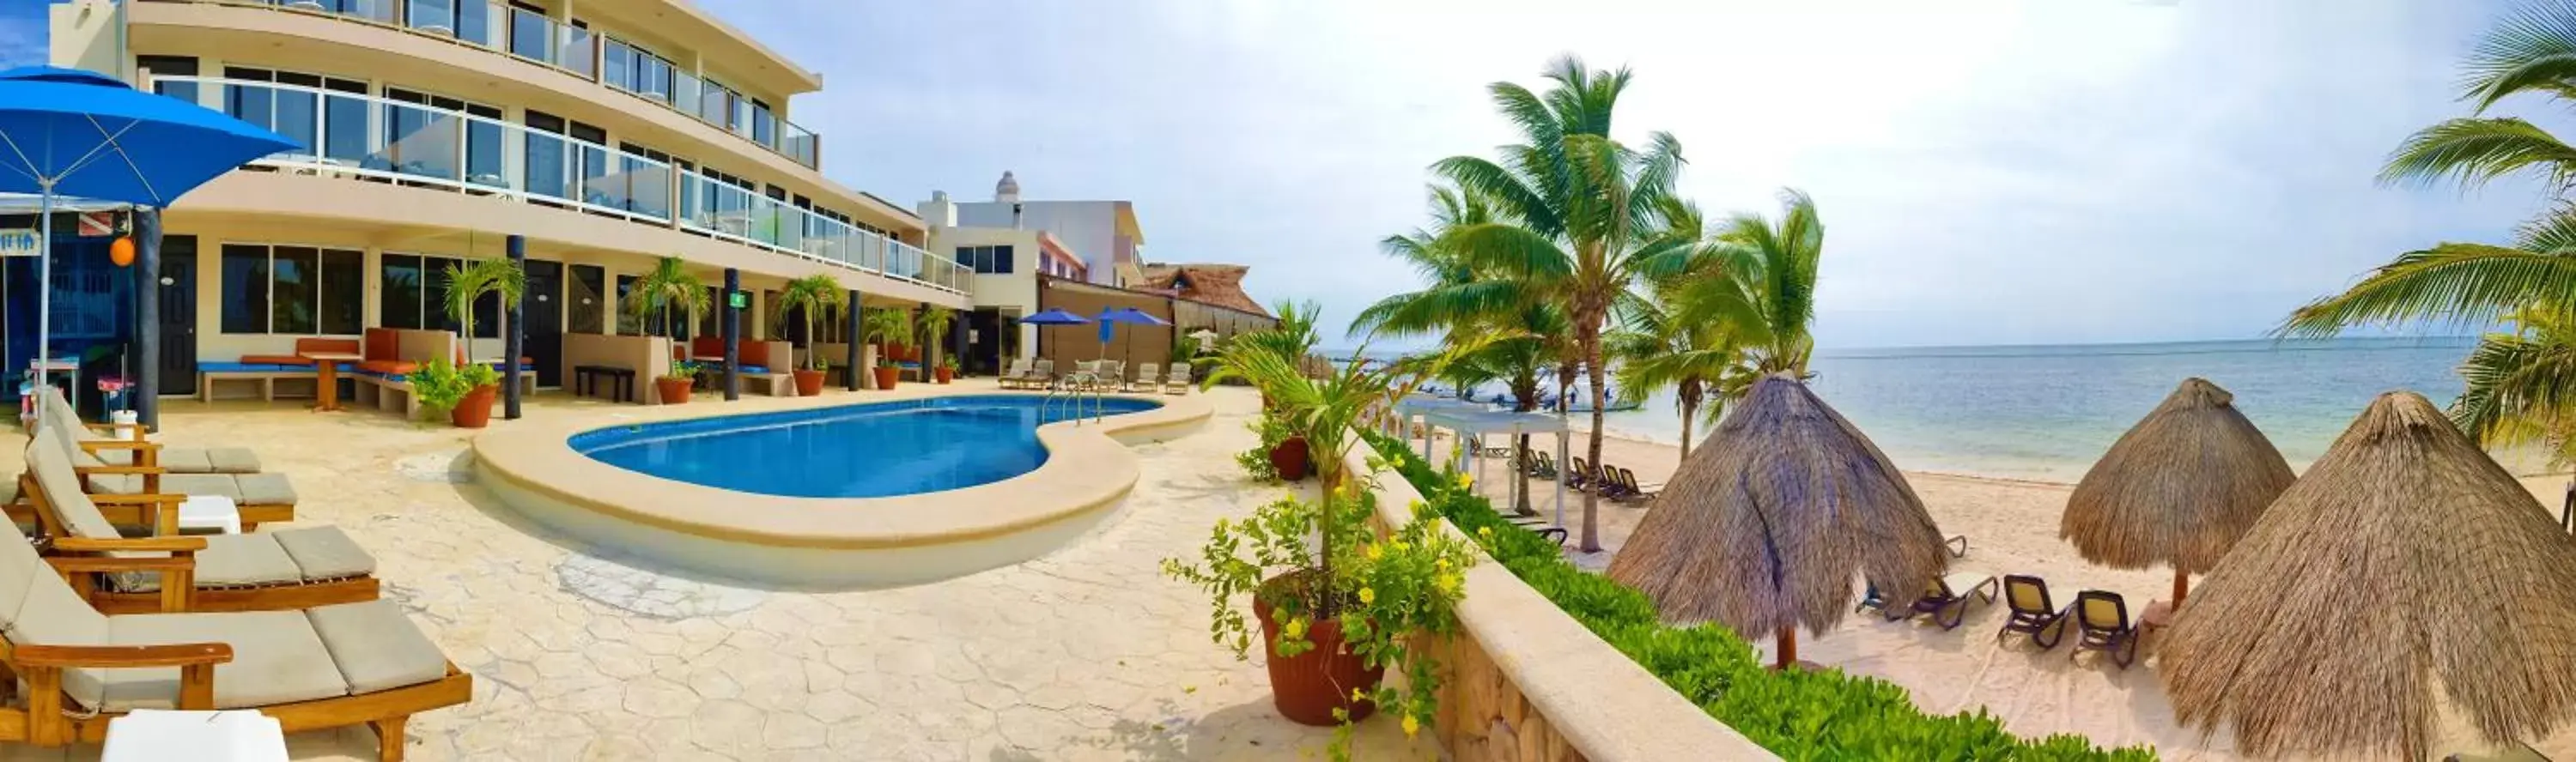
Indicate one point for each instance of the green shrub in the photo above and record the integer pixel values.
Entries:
(1798, 715)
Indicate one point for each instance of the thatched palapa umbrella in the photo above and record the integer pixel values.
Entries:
(2405, 567)
(2178, 488)
(1763, 528)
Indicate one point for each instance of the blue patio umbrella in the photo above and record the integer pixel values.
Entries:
(1110, 318)
(81, 134)
(1054, 317)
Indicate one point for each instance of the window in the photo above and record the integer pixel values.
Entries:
(292, 289)
(418, 138)
(988, 260)
(589, 309)
(628, 323)
(415, 296)
(171, 66)
(295, 107)
(635, 70)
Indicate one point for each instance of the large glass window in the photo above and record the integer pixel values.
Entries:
(344, 121)
(989, 260)
(415, 296)
(292, 289)
(628, 323)
(589, 307)
(404, 289)
(171, 66)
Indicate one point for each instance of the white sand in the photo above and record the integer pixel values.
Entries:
(2012, 527)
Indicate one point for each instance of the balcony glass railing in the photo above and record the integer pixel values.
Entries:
(501, 27)
(360, 135)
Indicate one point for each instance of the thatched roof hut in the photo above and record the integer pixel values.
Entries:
(1765, 526)
(2178, 488)
(2405, 568)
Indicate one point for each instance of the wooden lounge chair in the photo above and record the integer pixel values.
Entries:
(325, 667)
(1018, 375)
(1178, 380)
(290, 569)
(2033, 613)
(2102, 624)
(261, 498)
(1946, 599)
(1148, 375)
(176, 460)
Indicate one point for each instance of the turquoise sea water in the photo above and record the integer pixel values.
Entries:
(2047, 412)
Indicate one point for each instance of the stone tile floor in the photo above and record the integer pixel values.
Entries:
(579, 653)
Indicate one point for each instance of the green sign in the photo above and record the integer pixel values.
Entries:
(738, 300)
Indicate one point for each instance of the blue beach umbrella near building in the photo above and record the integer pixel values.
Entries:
(80, 134)
(1110, 318)
(1054, 317)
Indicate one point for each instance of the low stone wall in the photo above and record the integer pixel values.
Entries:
(1527, 682)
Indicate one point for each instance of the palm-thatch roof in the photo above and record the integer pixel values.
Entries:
(2178, 488)
(1767, 523)
(2406, 566)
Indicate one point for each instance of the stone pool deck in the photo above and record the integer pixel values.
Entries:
(581, 653)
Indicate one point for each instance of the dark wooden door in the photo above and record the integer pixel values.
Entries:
(545, 310)
(178, 315)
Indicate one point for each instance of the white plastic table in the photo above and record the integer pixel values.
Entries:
(214, 512)
(151, 735)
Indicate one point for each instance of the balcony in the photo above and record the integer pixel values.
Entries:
(585, 54)
(369, 137)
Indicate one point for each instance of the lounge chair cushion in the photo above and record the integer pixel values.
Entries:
(220, 460)
(324, 553)
(376, 647)
(233, 560)
(177, 460)
(277, 658)
(264, 489)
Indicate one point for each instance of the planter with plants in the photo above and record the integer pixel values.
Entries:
(674, 386)
(467, 283)
(947, 371)
(819, 299)
(1337, 605)
(934, 324)
(891, 329)
(463, 395)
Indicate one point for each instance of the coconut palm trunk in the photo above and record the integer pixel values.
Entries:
(1587, 337)
(1525, 399)
(1689, 392)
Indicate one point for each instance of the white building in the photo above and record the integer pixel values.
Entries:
(1104, 232)
(1005, 263)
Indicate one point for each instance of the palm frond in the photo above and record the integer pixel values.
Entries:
(2455, 284)
(2475, 151)
(2531, 50)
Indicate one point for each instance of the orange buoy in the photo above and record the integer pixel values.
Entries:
(121, 251)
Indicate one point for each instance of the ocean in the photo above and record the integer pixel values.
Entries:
(2047, 412)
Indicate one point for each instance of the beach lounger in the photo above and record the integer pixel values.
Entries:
(1043, 375)
(2102, 624)
(1540, 526)
(260, 498)
(1958, 544)
(177, 460)
(1582, 477)
(1630, 489)
(1946, 599)
(290, 569)
(324, 667)
(1177, 381)
(2033, 613)
(1148, 375)
(1544, 465)
(1017, 377)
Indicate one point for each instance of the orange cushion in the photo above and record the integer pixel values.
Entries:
(383, 344)
(706, 346)
(326, 345)
(755, 353)
(389, 367)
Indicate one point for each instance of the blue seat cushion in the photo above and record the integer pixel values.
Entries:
(244, 367)
(758, 369)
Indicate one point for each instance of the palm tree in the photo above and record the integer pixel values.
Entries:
(1755, 279)
(818, 298)
(467, 282)
(2517, 382)
(1576, 216)
(669, 291)
(1700, 362)
(934, 324)
(889, 327)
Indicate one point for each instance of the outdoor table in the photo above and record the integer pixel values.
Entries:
(239, 735)
(326, 372)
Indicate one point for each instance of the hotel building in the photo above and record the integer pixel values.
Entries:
(604, 134)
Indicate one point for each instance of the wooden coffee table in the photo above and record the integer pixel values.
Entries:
(326, 372)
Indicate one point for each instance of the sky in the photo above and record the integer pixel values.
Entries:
(2061, 171)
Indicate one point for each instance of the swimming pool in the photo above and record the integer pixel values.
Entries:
(873, 450)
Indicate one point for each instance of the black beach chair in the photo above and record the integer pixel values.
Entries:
(1958, 545)
(2033, 613)
(1946, 599)
(2102, 624)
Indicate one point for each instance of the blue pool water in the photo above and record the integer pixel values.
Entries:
(871, 450)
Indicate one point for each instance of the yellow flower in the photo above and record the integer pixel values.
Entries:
(1368, 595)
(1485, 532)
(1296, 628)
(1357, 696)
(1466, 481)
(1440, 563)
(1411, 726)
(1376, 551)
(1448, 583)
(1416, 505)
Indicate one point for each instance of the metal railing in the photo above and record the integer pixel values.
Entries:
(502, 28)
(367, 136)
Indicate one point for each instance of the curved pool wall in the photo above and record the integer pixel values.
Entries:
(877, 449)
(823, 542)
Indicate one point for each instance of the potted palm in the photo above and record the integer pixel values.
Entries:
(818, 297)
(891, 329)
(672, 298)
(934, 324)
(467, 282)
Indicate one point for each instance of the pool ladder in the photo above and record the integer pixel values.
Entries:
(1071, 391)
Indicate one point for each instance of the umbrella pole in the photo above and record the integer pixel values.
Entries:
(44, 290)
(1788, 642)
(2182, 584)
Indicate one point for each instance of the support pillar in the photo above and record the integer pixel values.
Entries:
(855, 340)
(732, 326)
(514, 334)
(145, 358)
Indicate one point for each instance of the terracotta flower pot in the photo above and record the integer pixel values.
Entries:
(1289, 458)
(809, 383)
(475, 411)
(887, 376)
(1309, 686)
(944, 374)
(675, 391)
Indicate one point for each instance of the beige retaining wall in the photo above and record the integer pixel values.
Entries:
(1527, 682)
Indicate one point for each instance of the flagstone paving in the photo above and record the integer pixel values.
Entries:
(581, 652)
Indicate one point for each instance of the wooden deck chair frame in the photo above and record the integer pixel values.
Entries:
(161, 512)
(44, 722)
(1948, 606)
(2035, 614)
(2119, 639)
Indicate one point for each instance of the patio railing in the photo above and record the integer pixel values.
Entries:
(502, 28)
(367, 136)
